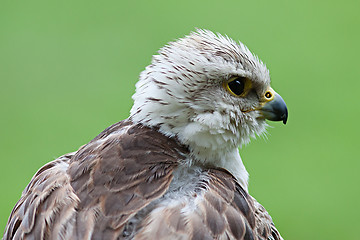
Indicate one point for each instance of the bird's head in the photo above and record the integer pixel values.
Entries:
(207, 90)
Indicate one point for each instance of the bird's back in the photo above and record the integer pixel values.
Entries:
(121, 185)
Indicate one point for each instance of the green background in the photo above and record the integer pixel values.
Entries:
(68, 69)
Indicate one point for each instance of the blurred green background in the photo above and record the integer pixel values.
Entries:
(68, 69)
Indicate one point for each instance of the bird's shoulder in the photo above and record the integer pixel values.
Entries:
(120, 172)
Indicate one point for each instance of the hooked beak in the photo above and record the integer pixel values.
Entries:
(273, 107)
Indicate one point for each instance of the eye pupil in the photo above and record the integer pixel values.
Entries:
(268, 95)
(237, 86)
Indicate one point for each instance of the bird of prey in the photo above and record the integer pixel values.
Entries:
(172, 170)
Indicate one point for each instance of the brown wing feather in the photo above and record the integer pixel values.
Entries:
(127, 172)
(218, 209)
(92, 193)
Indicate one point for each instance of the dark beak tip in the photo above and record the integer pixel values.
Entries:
(284, 117)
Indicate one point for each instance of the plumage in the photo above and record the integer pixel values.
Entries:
(172, 170)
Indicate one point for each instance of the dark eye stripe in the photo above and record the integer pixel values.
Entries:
(237, 86)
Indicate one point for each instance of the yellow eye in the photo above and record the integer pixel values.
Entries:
(238, 86)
